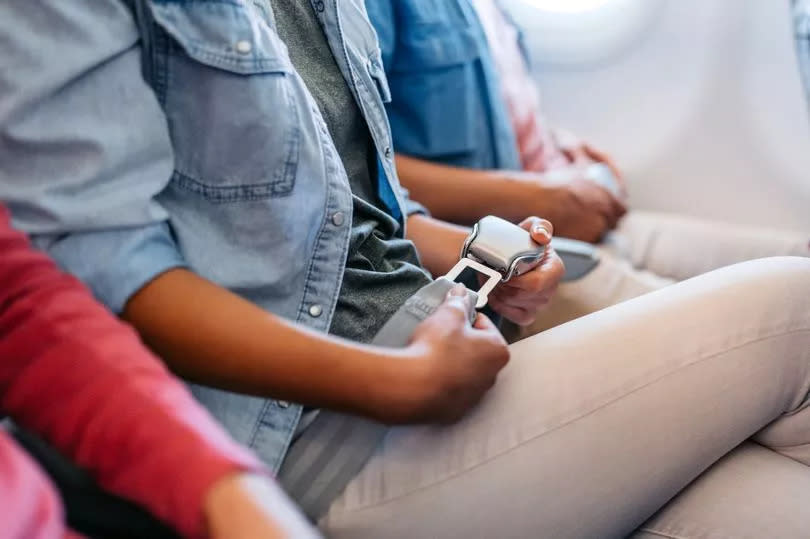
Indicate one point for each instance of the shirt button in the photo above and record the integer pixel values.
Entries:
(338, 218)
(388, 152)
(243, 47)
(315, 311)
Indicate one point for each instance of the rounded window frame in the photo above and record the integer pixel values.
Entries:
(553, 29)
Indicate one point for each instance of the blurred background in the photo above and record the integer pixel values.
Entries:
(700, 101)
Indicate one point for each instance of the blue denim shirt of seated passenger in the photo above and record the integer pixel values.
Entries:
(446, 104)
(184, 137)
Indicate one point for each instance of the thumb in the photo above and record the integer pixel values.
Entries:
(540, 230)
(457, 301)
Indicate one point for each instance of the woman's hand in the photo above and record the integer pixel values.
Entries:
(585, 211)
(520, 298)
(449, 365)
(584, 154)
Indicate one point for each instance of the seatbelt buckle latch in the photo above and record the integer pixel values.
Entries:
(493, 278)
(498, 249)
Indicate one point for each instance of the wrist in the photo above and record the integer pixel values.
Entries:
(530, 196)
(402, 385)
(248, 505)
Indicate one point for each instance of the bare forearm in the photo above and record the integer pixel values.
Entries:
(463, 195)
(211, 336)
(439, 243)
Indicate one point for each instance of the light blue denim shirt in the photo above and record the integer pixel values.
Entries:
(446, 102)
(183, 137)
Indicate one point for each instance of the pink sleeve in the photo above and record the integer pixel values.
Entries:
(73, 373)
(29, 506)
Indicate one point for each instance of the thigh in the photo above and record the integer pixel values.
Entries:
(751, 493)
(614, 280)
(598, 423)
(680, 247)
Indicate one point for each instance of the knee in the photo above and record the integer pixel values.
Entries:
(795, 269)
(785, 278)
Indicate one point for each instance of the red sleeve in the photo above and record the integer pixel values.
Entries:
(72, 372)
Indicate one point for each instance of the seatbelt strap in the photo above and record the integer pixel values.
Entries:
(335, 447)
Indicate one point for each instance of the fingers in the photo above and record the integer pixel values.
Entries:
(490, 332)
(602, 202)
(576, 155)
(611, 208)
(569, 154)
(527, 294)
(618, 206)
(541, 230)
(520, 298)
(483, 322)
(543, 277)
(602, 157)
(599, 156)
(519, 315)
(457, 303)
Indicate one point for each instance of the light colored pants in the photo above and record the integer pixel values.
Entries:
(651, 250)
(597, 424)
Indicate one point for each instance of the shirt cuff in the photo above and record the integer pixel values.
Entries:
(116, 263)
(412, 207)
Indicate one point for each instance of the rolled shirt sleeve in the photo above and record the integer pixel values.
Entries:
(84, 145)
(412, 207)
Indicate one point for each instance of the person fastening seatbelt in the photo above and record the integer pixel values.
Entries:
(245, 203)
(314, 473)
(472, 140)
(223, 177)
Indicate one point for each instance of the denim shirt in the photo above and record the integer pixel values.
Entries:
(183, 137)
(446, 102)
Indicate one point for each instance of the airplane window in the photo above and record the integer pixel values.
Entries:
(575, 32)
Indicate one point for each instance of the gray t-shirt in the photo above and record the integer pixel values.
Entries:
(382, 270)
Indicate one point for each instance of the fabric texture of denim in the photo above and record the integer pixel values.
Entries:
(136, 138)
(446, 104)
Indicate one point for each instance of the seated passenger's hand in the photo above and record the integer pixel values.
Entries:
(520, 298)
(452, 364)
(582, 210)
(583, 153)
(247, 506)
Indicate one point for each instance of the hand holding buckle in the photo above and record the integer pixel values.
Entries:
(498, 249)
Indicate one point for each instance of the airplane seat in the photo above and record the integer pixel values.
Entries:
(700, 101)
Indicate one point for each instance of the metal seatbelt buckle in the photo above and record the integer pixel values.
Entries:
(499, 250)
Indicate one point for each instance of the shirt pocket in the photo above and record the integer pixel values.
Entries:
(226, 82)
(436, 78)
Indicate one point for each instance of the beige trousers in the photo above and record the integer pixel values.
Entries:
(651, 250)
(597, 424)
